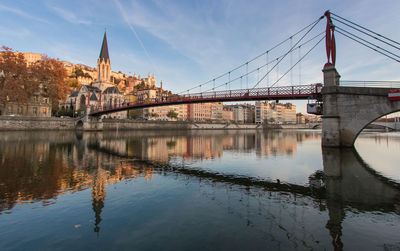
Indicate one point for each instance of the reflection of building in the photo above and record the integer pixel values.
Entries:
(98, 195)
(162, 148)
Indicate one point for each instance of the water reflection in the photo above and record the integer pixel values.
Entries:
(65, 162)
(351, 183)
(54, 163)
(161, 146)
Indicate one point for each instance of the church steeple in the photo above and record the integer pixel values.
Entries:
(104, 63)
(104, 49)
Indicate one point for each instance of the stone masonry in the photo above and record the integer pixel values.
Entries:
(348, 110)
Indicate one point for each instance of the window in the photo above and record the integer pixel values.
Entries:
(34, 110)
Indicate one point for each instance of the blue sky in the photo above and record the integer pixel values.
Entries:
(185, 43)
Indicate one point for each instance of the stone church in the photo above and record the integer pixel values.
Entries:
(102, 93)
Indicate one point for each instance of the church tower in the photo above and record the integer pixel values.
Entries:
(104, 63)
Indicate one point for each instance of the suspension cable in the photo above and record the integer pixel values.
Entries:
(267, 63)
(299, 65)
(257, 57)
(365, 33)
(366, 41)
(367, 46)
(267, 68)
(364, 28)
(297, 62)
(291, 61)
(288, 51)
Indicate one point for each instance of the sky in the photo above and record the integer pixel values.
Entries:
(187, 43)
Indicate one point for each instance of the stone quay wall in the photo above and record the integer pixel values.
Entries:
(19, 123)
(11, 123)
(109, 124)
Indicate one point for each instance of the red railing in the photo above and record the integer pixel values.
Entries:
(273, 93)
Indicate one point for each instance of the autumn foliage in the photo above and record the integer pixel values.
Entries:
(18, 81)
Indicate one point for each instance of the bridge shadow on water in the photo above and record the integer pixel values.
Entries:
(346, 183)
(54, 164)
(345, 177)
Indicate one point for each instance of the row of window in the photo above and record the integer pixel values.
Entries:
(35, 110)
(45, 100)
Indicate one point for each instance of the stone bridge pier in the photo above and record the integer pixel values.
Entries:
(348, 110)
(89, 123)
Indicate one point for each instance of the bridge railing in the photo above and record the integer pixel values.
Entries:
(256, 92)
(245, 94)
(373, 84)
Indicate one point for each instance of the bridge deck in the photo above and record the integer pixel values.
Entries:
(271, 93)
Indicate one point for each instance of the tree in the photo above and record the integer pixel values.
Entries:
(72, 82)
(20, 81)
(140, 86)
(133, 114)
(50, 74)
(172, 114)
(15, 85)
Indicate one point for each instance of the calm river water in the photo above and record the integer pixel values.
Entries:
(198, 190)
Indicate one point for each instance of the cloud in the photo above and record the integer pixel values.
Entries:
(21, 13)
(20, 33)
(124, 15)
(69, 16)
(182, 29)
(214, 36)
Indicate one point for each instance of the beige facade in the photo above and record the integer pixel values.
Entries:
(216, 111)
(300, 118)
(32, 58)
(290, 114)
(241, 113)
(38, 106)
(265, 112)
(227, 115)
(161, 112)
(199, 112)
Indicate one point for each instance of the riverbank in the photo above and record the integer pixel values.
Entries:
(8, 123)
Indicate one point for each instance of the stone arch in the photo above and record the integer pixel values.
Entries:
(348, 110)
(79, 124)
(317, 126)
(372, 120)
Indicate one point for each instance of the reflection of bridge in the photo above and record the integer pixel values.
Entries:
(347, 182)
(346, 110)
(347, 177)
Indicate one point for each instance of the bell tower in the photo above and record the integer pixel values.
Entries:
(104, 63)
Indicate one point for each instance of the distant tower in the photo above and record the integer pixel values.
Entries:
(104, 63)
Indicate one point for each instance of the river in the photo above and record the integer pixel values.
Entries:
(197, 190)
